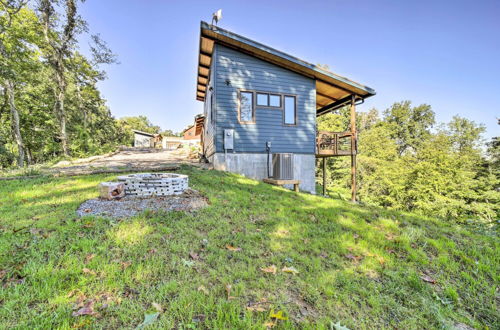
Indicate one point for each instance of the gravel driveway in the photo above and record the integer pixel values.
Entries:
(128, 159)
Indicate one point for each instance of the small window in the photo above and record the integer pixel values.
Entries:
(247, 114)
(290, 112)
(275, 101)
(263, 99)
(268, 100)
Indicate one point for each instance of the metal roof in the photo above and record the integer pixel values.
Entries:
(332, 91)
(144, 133)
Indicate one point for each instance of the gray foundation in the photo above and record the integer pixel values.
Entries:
(254, 166)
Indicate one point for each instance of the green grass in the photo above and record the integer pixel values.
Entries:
(359, 266)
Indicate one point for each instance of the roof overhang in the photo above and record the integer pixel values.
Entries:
(199, 122)
(332, 90)
(144, 133)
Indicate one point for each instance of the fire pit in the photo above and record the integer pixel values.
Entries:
(154, 184)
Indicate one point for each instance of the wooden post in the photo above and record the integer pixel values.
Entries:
(324, 176)
(353, 148)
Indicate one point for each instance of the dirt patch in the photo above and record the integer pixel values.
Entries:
(129, 206)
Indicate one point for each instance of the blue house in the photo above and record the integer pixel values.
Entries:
(260, 103)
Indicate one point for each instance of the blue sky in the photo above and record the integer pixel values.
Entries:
(443, 53)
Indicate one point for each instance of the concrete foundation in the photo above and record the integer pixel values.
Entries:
(254, 165)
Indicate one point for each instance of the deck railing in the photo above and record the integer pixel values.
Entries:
(330, 144)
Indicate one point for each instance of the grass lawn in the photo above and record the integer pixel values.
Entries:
(363, 267)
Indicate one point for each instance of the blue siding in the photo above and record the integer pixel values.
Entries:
(209, 131)
(249, 73)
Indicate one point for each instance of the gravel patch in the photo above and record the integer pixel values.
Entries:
(129, 206)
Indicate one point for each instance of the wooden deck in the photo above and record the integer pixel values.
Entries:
(331, 144)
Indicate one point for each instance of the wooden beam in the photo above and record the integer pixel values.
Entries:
(326, 96)
(324, 176)
(332, 106)
(205, 53)
(353, 148)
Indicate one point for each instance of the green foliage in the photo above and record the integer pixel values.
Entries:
(404, 165)
(409, 126)
(25, 63)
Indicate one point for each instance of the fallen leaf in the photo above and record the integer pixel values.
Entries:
(428, 279)
(291, 270)
(158, 307)
(278, 315)
(89, 257)
(88, 309)
(125, 264)
(232, 248)
(256, 308)
(269, 324)
(202, 288)
(152, 251)
(194, 255)
(381, 260)
(72, 293)
(271, 269)
(130, 292)
(87, 210)
(148, 320)
(199, 318)
(88, 271)
(353, 257)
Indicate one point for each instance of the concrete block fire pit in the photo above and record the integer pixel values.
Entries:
(154, 184)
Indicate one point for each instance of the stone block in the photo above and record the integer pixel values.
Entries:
(111, 190)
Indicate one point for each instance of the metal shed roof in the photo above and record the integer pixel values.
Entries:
(332, 91)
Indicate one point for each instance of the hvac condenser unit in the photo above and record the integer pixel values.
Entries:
(282, 166)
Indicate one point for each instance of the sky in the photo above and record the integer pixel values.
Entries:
(442, 53)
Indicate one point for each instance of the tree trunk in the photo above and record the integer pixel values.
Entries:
(61, 114)
(60, 111)
(83, 110)
(14, 117)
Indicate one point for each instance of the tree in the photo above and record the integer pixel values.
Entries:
(14, 52)
(59, 42)
(410, 125)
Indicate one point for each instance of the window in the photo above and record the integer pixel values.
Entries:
(290, 113)
(268, 100)
(275, 100)
(263, 99)
(246, 111)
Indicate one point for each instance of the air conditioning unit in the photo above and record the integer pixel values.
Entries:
(282, 166)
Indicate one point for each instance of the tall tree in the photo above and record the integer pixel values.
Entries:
(410, 126)
(14, 50)
(60, 41)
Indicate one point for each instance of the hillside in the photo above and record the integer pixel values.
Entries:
(346, 264)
